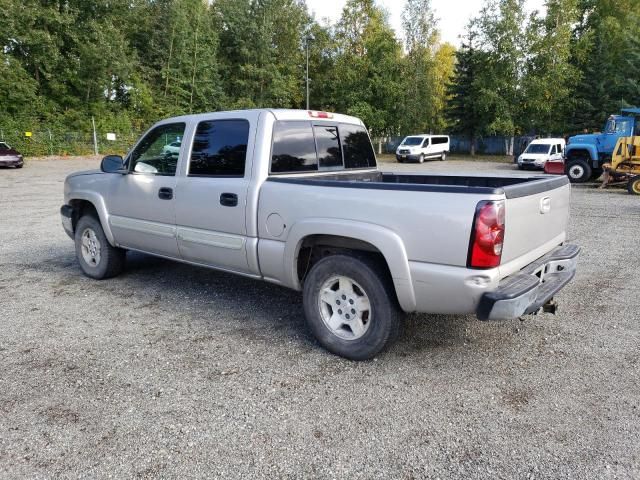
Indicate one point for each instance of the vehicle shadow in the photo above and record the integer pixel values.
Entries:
(259, 305)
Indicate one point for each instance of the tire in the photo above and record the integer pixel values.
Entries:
(20, 166)
(633, 186)
(366, 289)
(443, 157)
(97, 258)
(578, 171)
(421, 158)
(520, 167)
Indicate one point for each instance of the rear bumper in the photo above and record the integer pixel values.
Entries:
(528, 290)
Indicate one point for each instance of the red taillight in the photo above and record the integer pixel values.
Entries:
(314, 114)
(487, 236)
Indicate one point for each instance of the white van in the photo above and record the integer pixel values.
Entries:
(419, 147)
(540, 151)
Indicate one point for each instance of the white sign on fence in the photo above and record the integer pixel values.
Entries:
(111, 136)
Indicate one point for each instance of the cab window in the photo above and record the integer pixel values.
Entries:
(219, 149)
(294, 148)
(328, 146)
(155, 153)
(357, 148)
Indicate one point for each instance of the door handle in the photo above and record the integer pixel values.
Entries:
(228, 199)
(165, 193)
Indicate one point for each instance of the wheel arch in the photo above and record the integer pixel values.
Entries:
(343, 235)
(88, 202)
(586, 151)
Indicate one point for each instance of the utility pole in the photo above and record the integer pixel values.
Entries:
(95, 138)
(307, 44)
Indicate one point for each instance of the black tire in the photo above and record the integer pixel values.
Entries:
(400, 160)
(111, 259)
(443, 157)
(633, 186)
(578, 170)
(384, 316)
(20, 166)
(520, 167)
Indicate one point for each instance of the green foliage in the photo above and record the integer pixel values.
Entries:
(128, 63)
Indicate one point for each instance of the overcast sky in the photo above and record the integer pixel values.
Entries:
(453, 15)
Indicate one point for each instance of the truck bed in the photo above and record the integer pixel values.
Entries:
(511, 187)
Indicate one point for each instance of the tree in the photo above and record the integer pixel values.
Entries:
(421, 39)
(261, 51)
(465, 110)
(607, 53)
(549, 77)
(368, 67)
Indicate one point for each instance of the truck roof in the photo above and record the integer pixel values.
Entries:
(427, 135)
(633, 111)
(278, 113)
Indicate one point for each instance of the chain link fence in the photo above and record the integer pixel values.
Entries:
(51, 142)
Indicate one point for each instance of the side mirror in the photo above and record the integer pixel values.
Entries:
(113, 164)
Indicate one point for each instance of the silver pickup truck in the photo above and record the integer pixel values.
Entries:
(294, 197)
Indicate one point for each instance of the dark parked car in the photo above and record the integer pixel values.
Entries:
(10, 157)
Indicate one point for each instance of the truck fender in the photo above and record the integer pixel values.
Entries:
(98, 203)
(386, 241)
(590, 149)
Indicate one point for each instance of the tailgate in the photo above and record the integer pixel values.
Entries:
(536, 214)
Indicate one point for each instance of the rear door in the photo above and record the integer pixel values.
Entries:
(212, 195)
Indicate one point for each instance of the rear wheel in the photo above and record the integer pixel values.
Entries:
(578, 170)
(97, 258)
(634, 185)
(350, 306)
(443, 156)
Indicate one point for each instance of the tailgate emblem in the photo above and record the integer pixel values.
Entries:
(545, 205)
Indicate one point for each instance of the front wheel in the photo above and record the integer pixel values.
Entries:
(97, 258)
(350, 306)
(421, 159)
(578, 171)
(633, 186)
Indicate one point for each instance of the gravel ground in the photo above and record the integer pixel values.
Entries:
(174, 371)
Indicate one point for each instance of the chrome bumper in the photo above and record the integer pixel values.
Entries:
(528, 290)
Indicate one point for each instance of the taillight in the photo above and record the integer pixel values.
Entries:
(315, 114)
(487, 235)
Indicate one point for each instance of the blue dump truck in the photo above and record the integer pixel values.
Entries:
(585, 154)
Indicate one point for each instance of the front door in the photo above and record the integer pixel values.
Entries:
(141, 204)
(212, 196)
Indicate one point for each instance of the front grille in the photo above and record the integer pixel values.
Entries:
(404, 151)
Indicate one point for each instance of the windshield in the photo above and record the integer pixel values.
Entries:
(412, 141)
(538, 148)
(4, 146)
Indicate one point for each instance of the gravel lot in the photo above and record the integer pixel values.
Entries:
(174, 371)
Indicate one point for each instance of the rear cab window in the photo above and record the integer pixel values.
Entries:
(307, 146)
